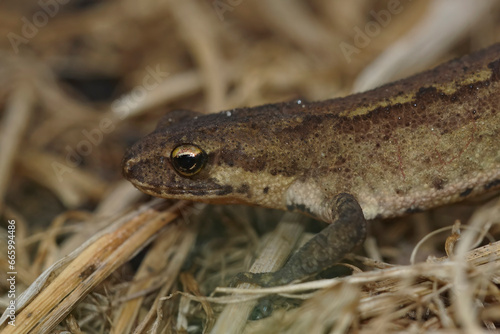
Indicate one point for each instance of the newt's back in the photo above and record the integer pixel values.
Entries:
(417, 143)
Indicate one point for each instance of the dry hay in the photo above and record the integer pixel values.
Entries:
(82, 80)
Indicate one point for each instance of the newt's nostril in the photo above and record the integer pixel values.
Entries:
(127, 165)
(126, 169)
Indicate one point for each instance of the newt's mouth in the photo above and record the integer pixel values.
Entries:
(192, 193)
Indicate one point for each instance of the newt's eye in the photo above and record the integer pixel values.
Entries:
(188, 159)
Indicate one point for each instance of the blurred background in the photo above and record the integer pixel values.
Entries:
(82, 80)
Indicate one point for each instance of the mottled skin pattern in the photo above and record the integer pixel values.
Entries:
(407, 146)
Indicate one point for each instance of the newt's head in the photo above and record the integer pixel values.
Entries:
(217, 158)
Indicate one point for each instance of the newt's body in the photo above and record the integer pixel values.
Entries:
(421, 142)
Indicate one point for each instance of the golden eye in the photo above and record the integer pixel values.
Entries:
(188, 159)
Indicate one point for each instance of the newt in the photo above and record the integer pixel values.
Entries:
(407, 146)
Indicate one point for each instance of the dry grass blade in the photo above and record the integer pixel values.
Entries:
(157, 271)
(78, 184)
(88, 269)
(15, 122)
(201, 38)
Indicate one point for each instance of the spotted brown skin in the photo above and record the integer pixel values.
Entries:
(408, 146)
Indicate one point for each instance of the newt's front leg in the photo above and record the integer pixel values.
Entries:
(346, 231)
